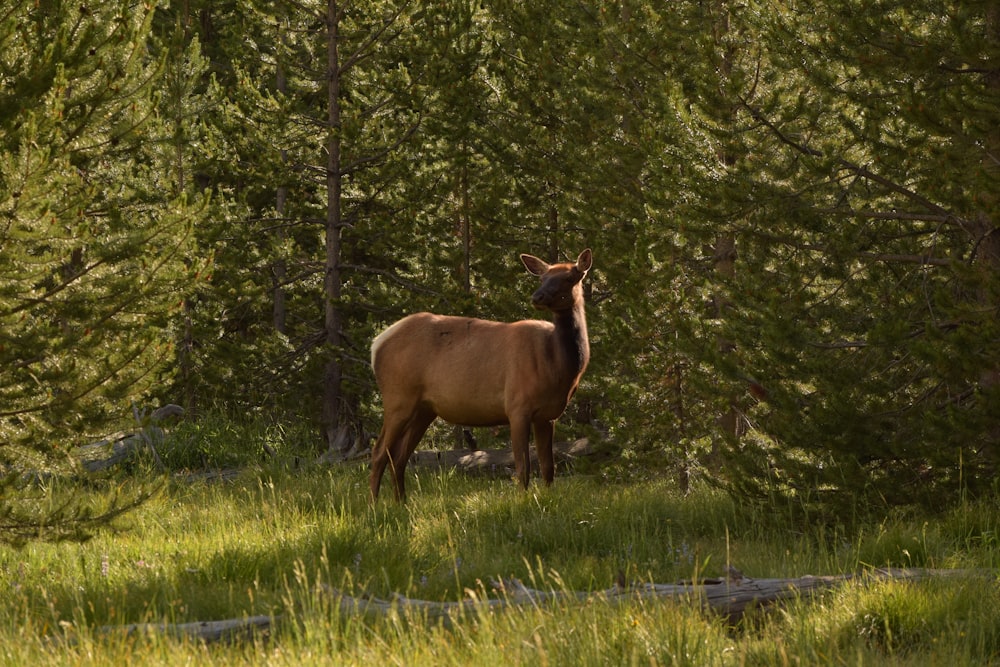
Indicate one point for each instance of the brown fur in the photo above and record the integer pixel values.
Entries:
(480, 373)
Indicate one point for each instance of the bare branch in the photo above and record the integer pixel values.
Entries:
(924, 260)
(888, 215)
(841, 345)
(408, 284)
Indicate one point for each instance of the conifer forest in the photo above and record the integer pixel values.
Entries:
(793, 207)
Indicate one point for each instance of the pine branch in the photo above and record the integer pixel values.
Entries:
(864, 172)
(22, 519)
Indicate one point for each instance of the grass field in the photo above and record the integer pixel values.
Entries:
(274, 541)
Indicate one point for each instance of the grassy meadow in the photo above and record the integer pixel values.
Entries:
(276, 539)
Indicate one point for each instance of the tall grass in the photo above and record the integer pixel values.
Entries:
(276, 539)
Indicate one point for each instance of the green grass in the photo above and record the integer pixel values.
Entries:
(275, 540)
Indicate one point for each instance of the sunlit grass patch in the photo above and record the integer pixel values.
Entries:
(280, 542)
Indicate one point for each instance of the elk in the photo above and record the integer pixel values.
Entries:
(476, 372)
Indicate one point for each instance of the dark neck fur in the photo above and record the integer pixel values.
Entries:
(571, 338)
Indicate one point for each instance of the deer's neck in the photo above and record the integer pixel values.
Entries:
(573, 346)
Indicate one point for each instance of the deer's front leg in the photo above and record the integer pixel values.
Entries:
(520, 433)
(544, 431)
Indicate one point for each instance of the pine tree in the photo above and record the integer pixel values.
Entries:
(92, 246)
(863, 191)
(226, 125)
(337, 151)
(581, 143)
(186, 147)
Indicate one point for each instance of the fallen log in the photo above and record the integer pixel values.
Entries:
(209, 476)
(110, 452)
(731, 597)
(497, 461)
(229, 630)
(477, 461)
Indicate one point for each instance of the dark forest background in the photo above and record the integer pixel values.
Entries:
(793, 207)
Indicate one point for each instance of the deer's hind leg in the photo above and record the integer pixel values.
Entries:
(391, 431)
(403, 447)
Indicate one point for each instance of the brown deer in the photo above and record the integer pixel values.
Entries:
(479, 373)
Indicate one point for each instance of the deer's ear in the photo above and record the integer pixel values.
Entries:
(534, 265)
(584, 261)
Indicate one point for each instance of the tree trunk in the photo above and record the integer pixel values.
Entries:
(459, 433)
(280, 311)
(725, 243)
(553, 226)
(725, 268)
(988, 230)
(332, 320)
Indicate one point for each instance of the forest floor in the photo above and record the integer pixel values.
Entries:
(276, 551)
